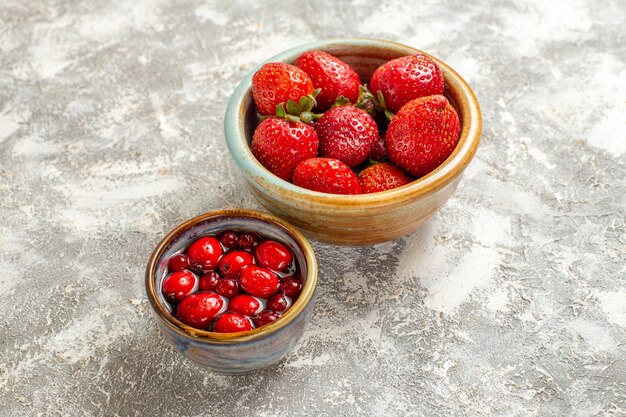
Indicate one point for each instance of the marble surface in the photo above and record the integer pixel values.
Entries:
(511, 302)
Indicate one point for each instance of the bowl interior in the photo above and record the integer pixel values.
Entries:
(242, 220)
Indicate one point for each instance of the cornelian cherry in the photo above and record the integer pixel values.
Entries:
(291, 287)
(257, 281)
(248, 239)
(232, 323)
(244, 304)
(208, 281)
(179, 284)
(228, 287)
(273, 255)
(265, 317)
(279, 303)
(178, 262)
(204, 254)
(197, 310)
(229, 239)
(232, 262)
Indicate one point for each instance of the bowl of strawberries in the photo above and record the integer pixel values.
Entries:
(354, 141)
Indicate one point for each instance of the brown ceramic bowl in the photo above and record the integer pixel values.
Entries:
(355, 219)
(241, 352)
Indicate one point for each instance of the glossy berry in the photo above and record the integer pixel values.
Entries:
(265, 317)
(346, 133)
(178, 262)
(208, 281)
(278, 303)
(248, 239)
(244, 304)
(277, 82)
(422, 135)
(179, 284)
(204, 254)
(326, 175)
(229, 239)
(273, 255)
(291, 287)
(280, 144)
(258, 281)
(231, 323)
(332, 75)
(381, 177)
(407, 78)
(197, 310)
(232, 262)
(227, 287)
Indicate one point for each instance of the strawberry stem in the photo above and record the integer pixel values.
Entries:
(300, 111)
(341, 101)
(372, 103)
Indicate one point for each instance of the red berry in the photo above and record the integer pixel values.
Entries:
(378, 150)
(326, 175)
(232, 262)
(407, 78)
(258, 281)
(280, 145)
(178, 262)
(346, 133)
(248, 239)
(277, 82)
(227, 287)
(279, 303)
(229, 239)
(291, 287)
(197, 310)
(204, 253)
(381, 177)
(422, 135)
(208, 281)
(332, 75)
(231, 323)
(244, 304)
(179, 284)
(273, 255)
(265, 317)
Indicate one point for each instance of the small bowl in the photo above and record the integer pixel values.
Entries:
(234, 353)
(354, 219)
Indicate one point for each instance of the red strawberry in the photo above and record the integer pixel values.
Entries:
(423, 134)
(332, 75)
(346, 133)
(280, 145)
(381, 177)
(378, 152)
(404, 79)
(277, 82)
(326, 175)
